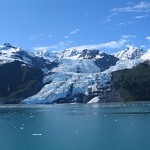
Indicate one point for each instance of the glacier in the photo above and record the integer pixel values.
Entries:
(73, 73)
(76, 75)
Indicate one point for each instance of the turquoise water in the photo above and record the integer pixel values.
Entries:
(75, 127)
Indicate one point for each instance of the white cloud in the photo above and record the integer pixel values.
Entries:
(140, 17)
(140, 10)
(59, 46)
(66, 36)
(142, 46)
(71, 33)
(44, 47)
(122, 24)
(130, 45)
(125, 39)
(35, 36)
(148, 38)
(107, 20)
(109, 45)
(140, 7)
(74, 31)
(128, 36)
(113, 44)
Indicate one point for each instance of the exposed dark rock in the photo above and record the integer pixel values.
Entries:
(101, 59)
(89, 54)
(106, 61)
(36, 61)
(18, 81)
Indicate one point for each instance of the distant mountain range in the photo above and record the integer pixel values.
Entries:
(72, 76)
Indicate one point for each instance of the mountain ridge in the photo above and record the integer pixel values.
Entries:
(72, 75)
(130, 53)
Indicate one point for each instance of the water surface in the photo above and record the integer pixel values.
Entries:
(75, 127)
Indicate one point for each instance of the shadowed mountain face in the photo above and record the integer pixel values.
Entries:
(101, 59)
(18, 81)
(106, 61)
(133, 84)
(90, 54)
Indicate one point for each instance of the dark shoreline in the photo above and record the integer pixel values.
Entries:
(108, 104)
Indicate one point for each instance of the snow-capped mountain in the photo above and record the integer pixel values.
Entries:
(78, 74)
(69, 54)
(44, 53)
(130, 53)
(146, 55)
(85, 61)
(80, 54)
(9, 53)
(74, 75)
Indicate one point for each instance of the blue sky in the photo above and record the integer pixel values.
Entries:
(110, 25)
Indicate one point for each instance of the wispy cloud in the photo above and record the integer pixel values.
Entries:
(140, 7)
(115, 44)
(128, 36)
(71, 33)
(142, 46)
(140, 17)
(148, 38)
(123, 24)
(123, 41)
(74, 31)
(45, 47)
(107, 20)
(59, 46)
(140, 10)
(35, 36)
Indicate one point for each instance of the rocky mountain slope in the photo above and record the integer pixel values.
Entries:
(9, 53)
(19, 81)
(64, 77)
(21, 73)
(132, 84)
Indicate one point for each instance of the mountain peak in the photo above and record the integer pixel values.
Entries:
(90, 54)
(45, 53)
(7, 44)
(7, 47)
(79, 54)
(69, 53)
(131, 52)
